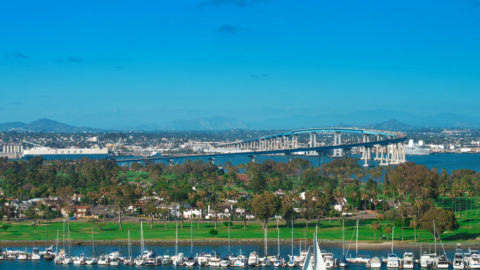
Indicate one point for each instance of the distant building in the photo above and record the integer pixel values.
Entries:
(11, 151)
(81, 211)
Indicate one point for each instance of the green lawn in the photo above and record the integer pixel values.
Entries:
(327, 231)
(136, 176)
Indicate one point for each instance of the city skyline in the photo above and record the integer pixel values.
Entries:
(119, 64)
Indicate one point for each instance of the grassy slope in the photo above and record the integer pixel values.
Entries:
(110, 231)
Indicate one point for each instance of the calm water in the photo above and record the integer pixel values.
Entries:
(221, 250)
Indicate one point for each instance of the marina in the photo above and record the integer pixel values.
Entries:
(245, 256)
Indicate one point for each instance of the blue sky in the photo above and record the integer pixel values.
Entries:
(114, 63)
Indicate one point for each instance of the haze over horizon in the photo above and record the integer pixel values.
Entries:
(124, 64)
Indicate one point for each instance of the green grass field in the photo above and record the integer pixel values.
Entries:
(327, 231)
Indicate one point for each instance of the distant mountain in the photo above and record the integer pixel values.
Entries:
(211, 123)
(392, 125)
(379, 119)
(44, 125)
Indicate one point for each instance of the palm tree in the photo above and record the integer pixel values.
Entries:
(375, 226)
(150, 209)
(244, 203)
(414, 225)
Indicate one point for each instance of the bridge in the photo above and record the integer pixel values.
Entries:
(372, 145)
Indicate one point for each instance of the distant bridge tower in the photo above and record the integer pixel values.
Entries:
(337, 140)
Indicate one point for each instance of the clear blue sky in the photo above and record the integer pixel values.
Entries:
(115, 63)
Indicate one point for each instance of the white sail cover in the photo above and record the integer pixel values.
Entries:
(307, 265)
(319, 260)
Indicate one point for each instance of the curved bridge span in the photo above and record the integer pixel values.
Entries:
(384, 146)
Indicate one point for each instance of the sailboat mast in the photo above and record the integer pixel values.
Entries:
(393, 235)
(69, 241)
(56, 242)
(292, 237)
(229, 250)
(278, 242)
(435, 236)
(356, 243)
(63, 237)
(176, 237)
(265, 248)
(129, 246)
(191, 238)
(142, 243)
(93, 244)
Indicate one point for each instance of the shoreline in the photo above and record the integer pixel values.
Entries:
(221, 242)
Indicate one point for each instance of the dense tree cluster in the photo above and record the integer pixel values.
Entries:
(405, 195)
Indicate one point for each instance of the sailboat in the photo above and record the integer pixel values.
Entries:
(291, 261)
(343, 262)
(129, 260)
(265, 260)
(459, 259)
(49, 255)
(178, 259)
(442, 261)
(191, 261)
(279, 262)
(358, 258)
(140, 260)
(68, 259)
(93, 259)
(61, 254)
(393, 261)
(308, 265)
(318, 259)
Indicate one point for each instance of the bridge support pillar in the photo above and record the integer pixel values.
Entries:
(384, 159)
(366, 151)
(337, 140)
(403, 158)
(312, 142)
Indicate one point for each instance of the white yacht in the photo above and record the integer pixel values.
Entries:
(279, 262)
(114, 262)
(166, 259)
(214, 260)
(67, 260)
(91, 261)
(427, 260)
(103, 260)
(79, 260)
(240, 260)
(225, 262)
(393, 261)
(408, 260)
(442, 262)
(22, 255)
(474, 259)
(35, 254)
(191, 262)
(375, 262)
(458, 259)
(291, 261)
(203, 259)
(253, 259)
(178, 259)
(329, 259)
